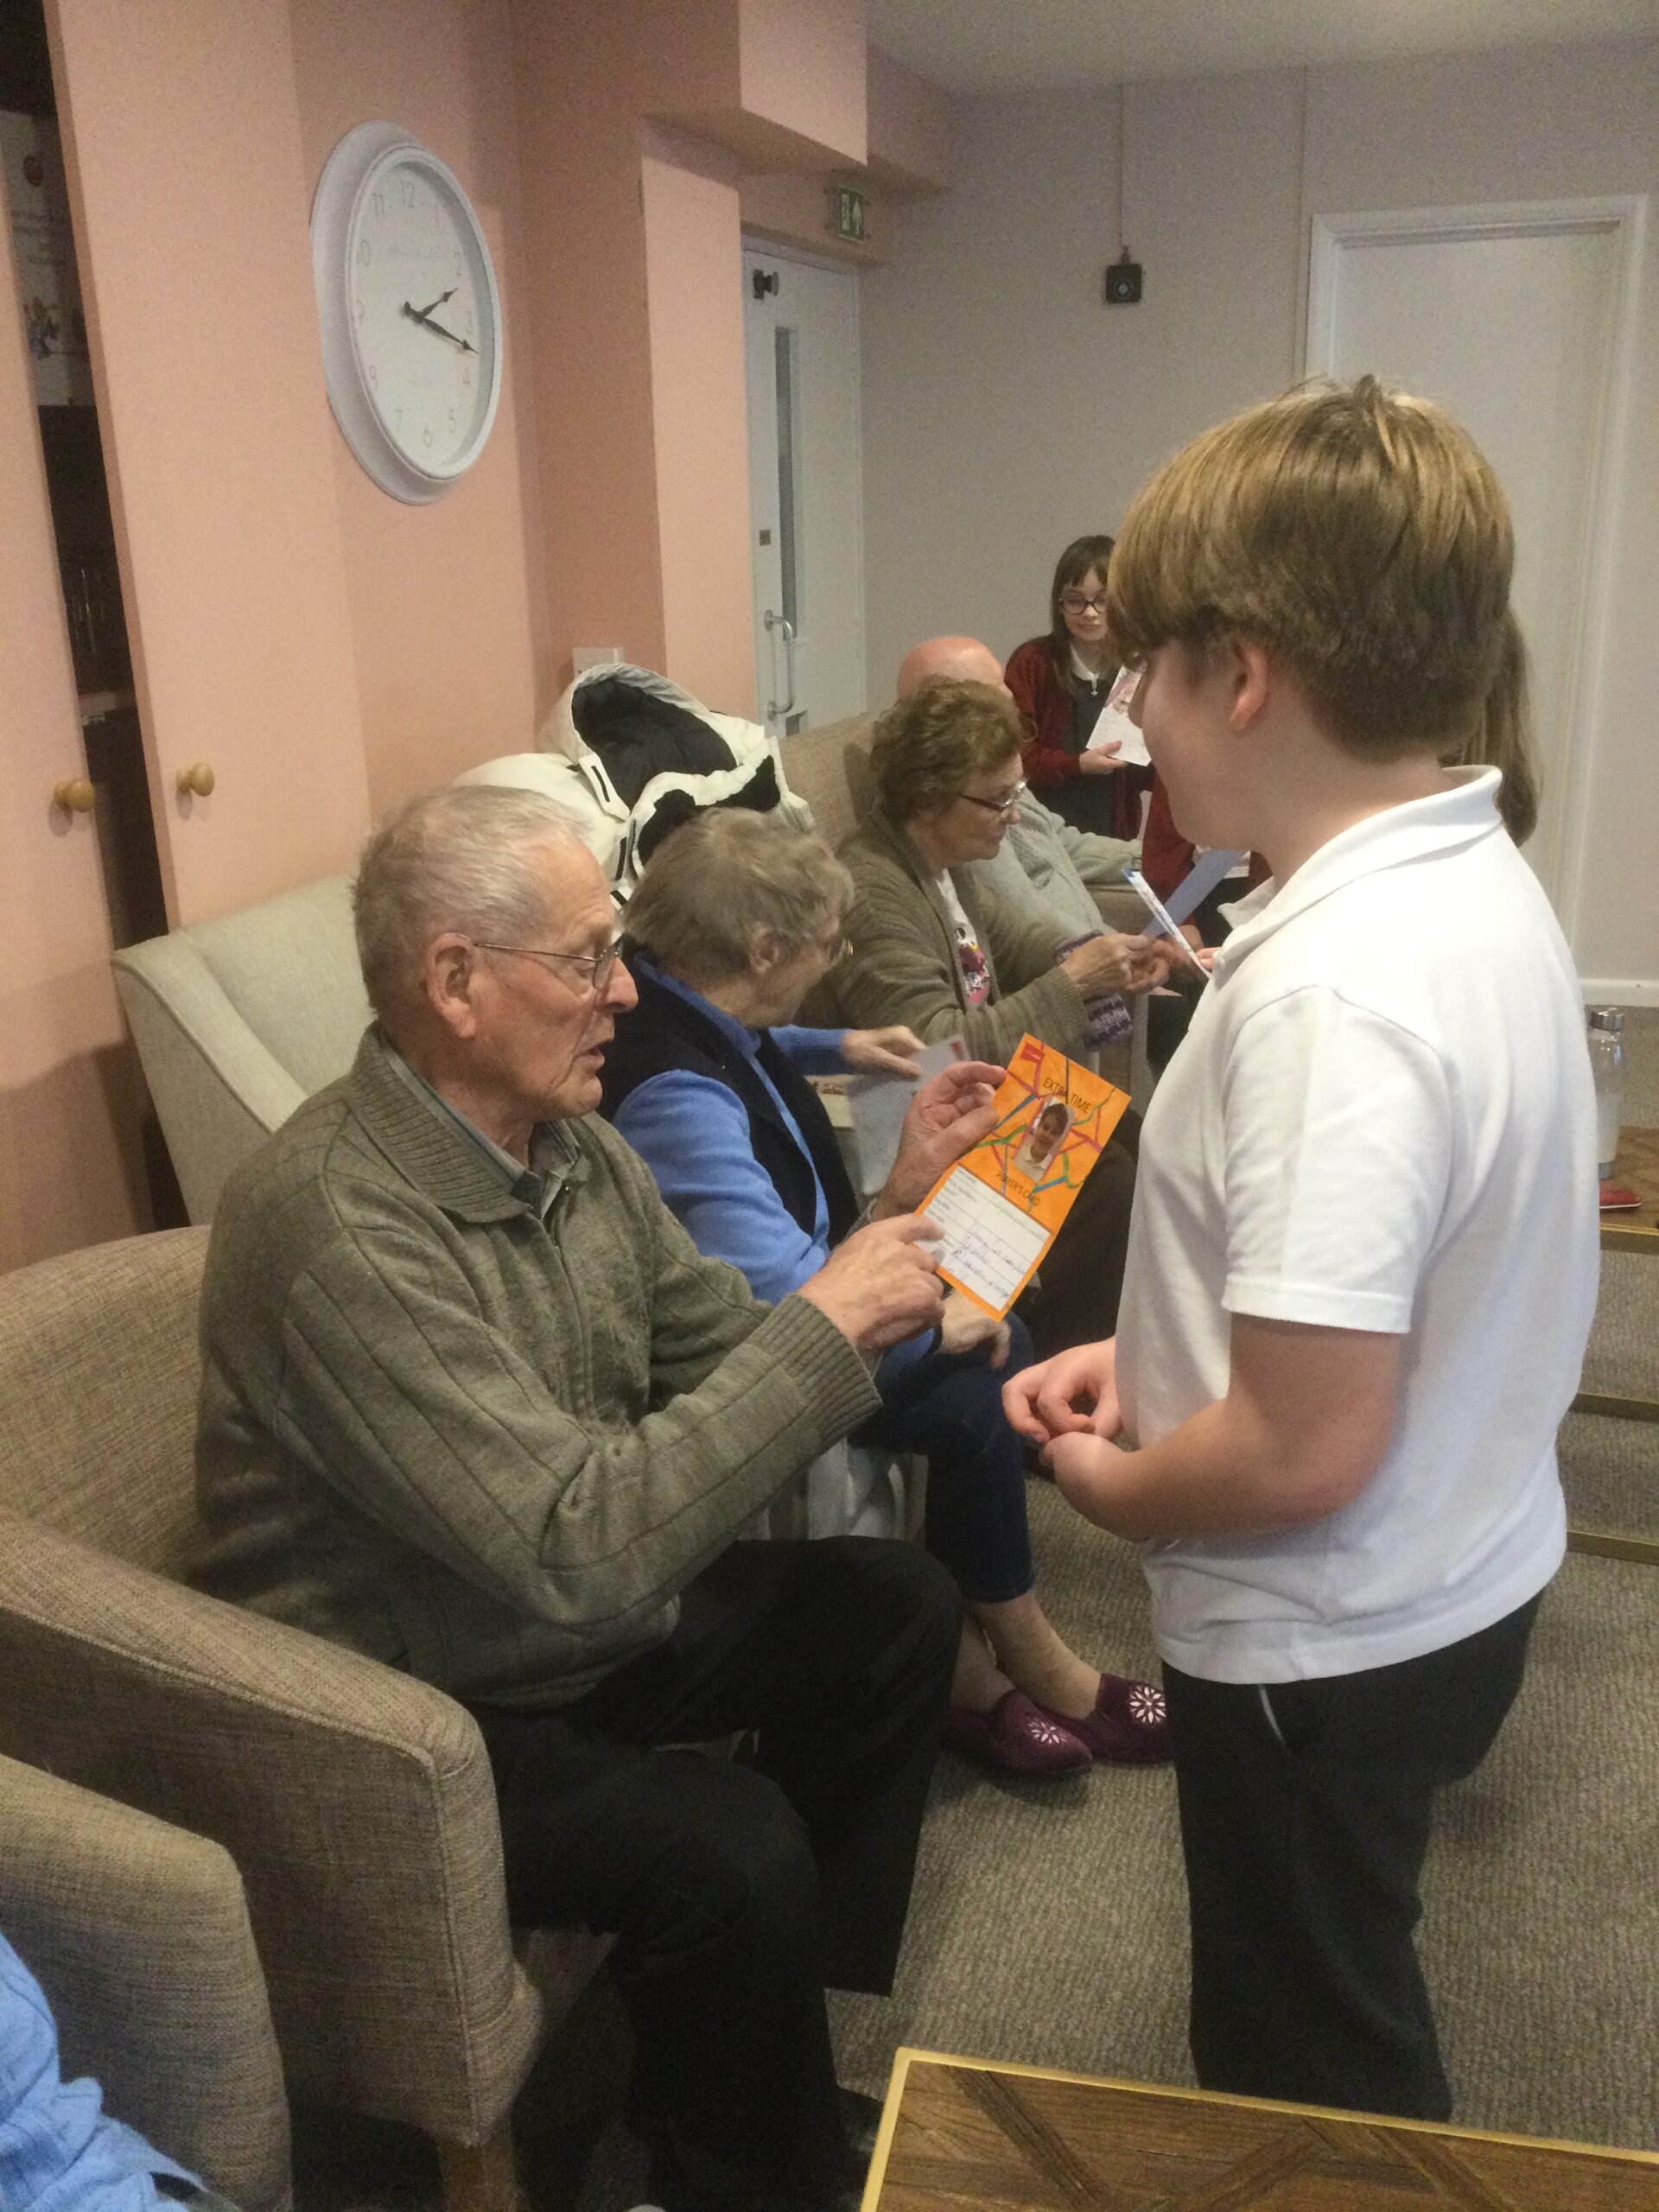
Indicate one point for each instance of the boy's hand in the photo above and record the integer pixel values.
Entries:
(1074, 1394)
(1083, 1468)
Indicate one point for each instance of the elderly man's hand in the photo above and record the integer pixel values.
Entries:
(880, 1287)
(882, 1052)
(950, 1113)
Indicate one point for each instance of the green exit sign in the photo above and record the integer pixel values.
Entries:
(847, 213)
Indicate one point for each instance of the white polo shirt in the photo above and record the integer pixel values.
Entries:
(1380, 1119)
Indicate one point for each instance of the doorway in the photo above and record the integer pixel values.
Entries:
(801, 365)
(1518, 320)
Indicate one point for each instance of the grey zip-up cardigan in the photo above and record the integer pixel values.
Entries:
(484, 1450)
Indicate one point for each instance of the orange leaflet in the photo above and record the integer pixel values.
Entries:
(1002, 1202)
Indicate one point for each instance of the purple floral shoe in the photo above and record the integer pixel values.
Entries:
(1128, 1726)
(1019, 1736)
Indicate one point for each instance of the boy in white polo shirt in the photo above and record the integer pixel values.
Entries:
(1362, 1262)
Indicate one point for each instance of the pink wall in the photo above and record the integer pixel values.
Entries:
(447, 603)
(695, 295)
(632, 253)
(584, 260)
(801, 67)
(188, 181)
(67, 1173)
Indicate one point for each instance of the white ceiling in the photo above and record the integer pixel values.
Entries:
(984, 46)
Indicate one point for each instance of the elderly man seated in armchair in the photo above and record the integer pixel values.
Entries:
(473, 1403)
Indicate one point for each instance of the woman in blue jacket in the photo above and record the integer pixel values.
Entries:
(737, 916)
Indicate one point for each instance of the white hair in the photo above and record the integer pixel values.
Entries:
(457, 858)
(726, 879)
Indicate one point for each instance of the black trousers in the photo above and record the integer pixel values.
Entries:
(1074, 1301)
(737, 1891)
(1305, 1816)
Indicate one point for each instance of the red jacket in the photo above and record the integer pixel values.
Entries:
(1045, 702)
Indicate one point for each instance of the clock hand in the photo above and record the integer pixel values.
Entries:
(421, 315)
(438, 303)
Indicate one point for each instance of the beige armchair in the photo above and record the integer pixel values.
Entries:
(138, 1933)
(355, 1801)
(238, 1020)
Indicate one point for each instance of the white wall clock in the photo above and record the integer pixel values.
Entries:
(412, 320)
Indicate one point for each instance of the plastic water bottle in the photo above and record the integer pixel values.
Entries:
(1607, 1069)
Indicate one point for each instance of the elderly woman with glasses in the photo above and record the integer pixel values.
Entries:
(932, 949)
(1060, 682)
(736, 916)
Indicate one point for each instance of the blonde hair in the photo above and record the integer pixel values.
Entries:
(924, 749)
(1502, 737)
(725, 881)
(1358, 533)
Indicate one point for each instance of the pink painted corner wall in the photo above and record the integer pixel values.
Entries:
(589, 332)
(187, 181)
(694, 276)
(801, 67)
(448, 604)
(632, 249)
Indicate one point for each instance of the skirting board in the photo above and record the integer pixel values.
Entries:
(1619, 990)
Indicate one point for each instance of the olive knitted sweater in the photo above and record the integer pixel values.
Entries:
(484, 1450)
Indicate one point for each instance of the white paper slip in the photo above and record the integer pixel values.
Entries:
(1167, 924)
(1113, 723)
(990, 1245)
(879, 1103)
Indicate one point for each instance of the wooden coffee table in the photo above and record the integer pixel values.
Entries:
(959, 2133)
(1635, 1231)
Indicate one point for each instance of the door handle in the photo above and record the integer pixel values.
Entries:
(774, 623)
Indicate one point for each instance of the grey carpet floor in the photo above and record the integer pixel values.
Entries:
(1048, 1923)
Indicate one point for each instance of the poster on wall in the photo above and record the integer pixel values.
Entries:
(44, 254)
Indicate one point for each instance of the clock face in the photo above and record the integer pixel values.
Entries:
(421, 329)
(410, 318)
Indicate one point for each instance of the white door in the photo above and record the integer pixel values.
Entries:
(801, 361)
(1511, 319)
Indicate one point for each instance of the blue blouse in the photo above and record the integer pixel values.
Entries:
(693, 1133)
(60, 2151)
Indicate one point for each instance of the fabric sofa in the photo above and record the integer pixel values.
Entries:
(355, 1802)
(138, 1933)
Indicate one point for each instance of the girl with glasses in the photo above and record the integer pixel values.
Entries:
(1060, 682)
